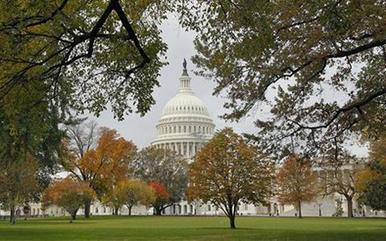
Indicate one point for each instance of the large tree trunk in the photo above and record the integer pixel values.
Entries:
(349, 207)
(232, 223)
(158, 211)
(73, 216)
(116, 210)
(12, 218)
(87, 206)
(130, 207)
(300, 209)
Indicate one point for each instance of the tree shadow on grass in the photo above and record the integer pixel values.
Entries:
(225, 228)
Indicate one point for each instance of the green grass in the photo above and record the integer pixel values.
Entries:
(195, 228)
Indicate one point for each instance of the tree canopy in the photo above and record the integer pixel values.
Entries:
(68, 193)
(315, 68)
(102, 166)
(227, 171)
(165, 167)
(371, 181)
(296, 182)
(85, 54)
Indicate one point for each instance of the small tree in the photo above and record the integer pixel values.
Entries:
(69, 194)
(339, 172)
(227, 171)
(165, 167)
(296, 182)
(338, 208)
(18, 183)
(138, 192)
(162, 197)
(371, 181)
(129, 192)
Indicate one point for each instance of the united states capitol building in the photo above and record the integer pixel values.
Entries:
(184, 127)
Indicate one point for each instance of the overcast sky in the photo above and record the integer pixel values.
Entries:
(142, 129)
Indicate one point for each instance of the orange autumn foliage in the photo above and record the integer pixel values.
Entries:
(69, 194)
(160, 191)
(161, 195)
(104, 165)
(296, 182)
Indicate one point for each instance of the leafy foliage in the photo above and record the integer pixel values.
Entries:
(18, 183)
(162, 197)
(86, 54)
(338, 208)
(129, 192)
(69, 194)
(227, 171)
(339, 174)
(315, 68)
(105, 165)
(296, 182)
(165, 167)
(372, 180)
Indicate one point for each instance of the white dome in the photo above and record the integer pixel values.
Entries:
(185, 124)
(185, 104)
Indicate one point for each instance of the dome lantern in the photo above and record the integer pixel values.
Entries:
(185, 79)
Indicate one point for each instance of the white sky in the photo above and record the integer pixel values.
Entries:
(141, 130)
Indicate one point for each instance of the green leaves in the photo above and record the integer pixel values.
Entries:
(89, 54)
(318, 53)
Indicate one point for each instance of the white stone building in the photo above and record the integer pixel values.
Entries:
(185, 124)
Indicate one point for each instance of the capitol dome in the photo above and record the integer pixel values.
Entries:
(185, 124)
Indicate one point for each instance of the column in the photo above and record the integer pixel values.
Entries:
(175, 147)
(194, 147)
(188, 149)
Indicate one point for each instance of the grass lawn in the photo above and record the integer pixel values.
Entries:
(195, 228)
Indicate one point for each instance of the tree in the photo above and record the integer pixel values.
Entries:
(152, 164)
(18, 182)
(86, 55)
(101, 167)
(318, 67)
(339, 172)
(129, 192)
(162, 197)
(338, 208)
(29, 148)
(138, 192)
(69, 194)
(296, 182)
(371, 181)
(227, 171)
